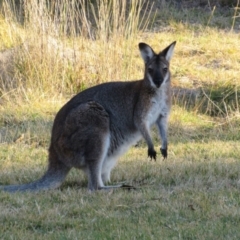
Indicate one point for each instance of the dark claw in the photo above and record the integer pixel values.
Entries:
(164, 153)
(152, 154)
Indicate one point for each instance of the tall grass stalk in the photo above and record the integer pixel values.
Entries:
(211, 16)
(235, 15)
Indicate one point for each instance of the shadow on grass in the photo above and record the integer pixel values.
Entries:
(218, 99)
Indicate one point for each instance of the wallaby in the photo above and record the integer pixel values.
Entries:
(100, 123)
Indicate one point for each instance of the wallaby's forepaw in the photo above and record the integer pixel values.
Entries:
(164, 152)
(152, 154)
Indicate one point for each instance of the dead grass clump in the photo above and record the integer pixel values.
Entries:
(63, 50)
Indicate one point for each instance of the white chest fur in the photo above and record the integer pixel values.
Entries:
(158, 107)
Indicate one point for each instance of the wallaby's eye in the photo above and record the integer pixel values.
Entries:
(165, 69)
(150, 70)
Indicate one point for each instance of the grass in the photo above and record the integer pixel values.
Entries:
(194, 194)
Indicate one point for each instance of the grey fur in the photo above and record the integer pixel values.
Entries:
(99, 124)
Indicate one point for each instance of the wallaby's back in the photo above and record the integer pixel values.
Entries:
(117, 98)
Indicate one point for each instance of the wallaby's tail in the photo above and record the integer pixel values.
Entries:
(52, 179)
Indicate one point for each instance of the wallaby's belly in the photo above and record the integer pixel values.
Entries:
(120, 143)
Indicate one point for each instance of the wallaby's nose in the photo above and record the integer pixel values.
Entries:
(158, 83)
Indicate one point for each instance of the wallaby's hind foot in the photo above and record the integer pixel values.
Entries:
(124, 186)
(110, 187)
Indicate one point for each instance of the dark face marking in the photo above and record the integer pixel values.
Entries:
(157, 69)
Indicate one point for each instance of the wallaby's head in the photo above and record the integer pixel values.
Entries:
(156, 65)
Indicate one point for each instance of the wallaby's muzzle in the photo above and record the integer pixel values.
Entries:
(157, 78)
(158, 83)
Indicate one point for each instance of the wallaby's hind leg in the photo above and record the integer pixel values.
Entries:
(106, 176)
(85, 139)
(96, 164)
(108, 165)
(95, 154)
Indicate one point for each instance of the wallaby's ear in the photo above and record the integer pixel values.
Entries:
(146, 51)
(168, 51)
